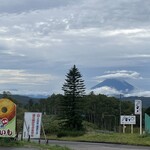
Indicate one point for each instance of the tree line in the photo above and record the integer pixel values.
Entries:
(74, 106)
(98, 109)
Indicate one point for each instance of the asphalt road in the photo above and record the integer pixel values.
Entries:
(86, 146)
(96, 146)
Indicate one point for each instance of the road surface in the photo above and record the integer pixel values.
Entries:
(96, 146)
(86, 146)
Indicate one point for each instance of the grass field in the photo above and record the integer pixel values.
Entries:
(120, 138)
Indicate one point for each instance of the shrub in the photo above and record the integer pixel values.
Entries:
(64, 133)
(88, 126)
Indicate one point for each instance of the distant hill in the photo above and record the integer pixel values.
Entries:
(22, 99)
(119, 85)
(145, 100)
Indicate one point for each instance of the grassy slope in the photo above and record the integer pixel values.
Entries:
(131, 139)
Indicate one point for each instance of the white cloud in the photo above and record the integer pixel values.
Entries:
(139, 94)
(106, 91)
(147, 56)
(8, 76)
(128, 32)
(113, 92)
(11, 53)
(3, 30)
(123, 74)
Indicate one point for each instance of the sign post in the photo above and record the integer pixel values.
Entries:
(127, 120)
(32, 125)
(138, 111)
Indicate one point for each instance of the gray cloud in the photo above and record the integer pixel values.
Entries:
(48, 37)
(15, 6)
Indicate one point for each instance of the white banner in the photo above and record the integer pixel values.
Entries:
(127, 119)
(138, 107)
(32, 125)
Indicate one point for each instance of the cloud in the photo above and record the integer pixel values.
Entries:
(136, 56)
(106, 91)
(30, 5)
(11, 53)
(112, 92)
(8, 76)
(128, 32)
(49, 36)
(123, 74)
(139, 94)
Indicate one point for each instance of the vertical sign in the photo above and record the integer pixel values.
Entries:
(138, 111)
(7, 118)
(138, 107)
(32, 125)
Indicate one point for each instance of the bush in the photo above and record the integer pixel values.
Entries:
(9, 142)
(88, 126)
(51, 124)
(64, 133)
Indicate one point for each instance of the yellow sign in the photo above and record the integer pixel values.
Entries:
(7, 118)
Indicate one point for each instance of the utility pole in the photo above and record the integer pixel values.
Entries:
(120, 104)
(120, 115)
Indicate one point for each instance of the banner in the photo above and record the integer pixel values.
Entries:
(32, 125)
(7, 118)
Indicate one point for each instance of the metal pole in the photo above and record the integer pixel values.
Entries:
(120, 104)
(131, 128)
(120, 115)
(141, 120)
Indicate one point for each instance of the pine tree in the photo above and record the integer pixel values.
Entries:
(74, 90)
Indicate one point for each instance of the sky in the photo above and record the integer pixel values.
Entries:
(41, 40)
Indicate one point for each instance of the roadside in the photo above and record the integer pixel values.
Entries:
(116, 138)
(10, 148)
(86, 146)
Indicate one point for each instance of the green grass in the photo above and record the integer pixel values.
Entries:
(6, 142)
(44, 147)
(120, 138)
(10, 142)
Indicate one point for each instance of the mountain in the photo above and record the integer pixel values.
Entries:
(37, 96)
(117, 84)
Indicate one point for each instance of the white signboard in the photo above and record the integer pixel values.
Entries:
(32, 125)
(138, 107)
(127, 119)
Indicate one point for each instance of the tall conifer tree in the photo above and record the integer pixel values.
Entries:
(74, 90)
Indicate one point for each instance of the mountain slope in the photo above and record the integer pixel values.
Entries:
(22, 99)
(119, 85)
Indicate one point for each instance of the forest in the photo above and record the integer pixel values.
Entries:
(98, 111)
